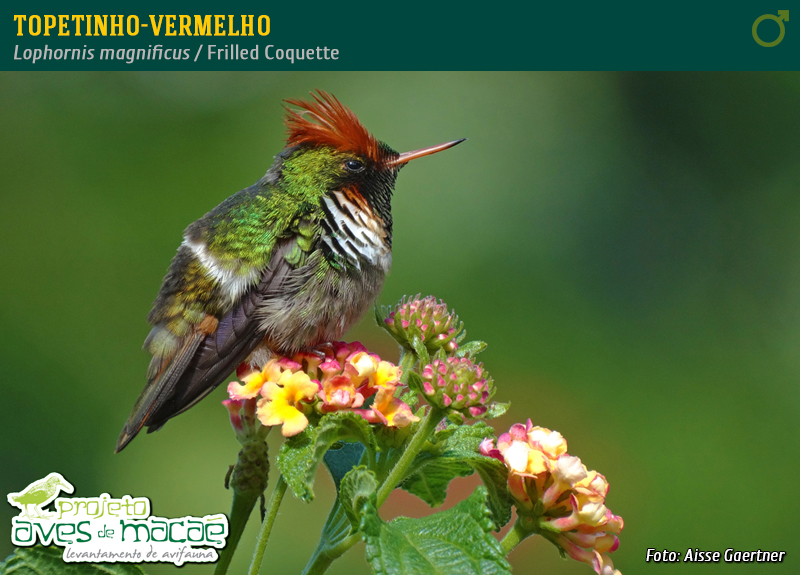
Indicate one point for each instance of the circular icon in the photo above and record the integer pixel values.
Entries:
(782, 15)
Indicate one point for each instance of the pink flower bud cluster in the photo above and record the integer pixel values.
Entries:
(427, 319)
(332, 377)
(566, 501)
(457, 384)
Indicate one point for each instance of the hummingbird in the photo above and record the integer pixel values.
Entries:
(279, 267)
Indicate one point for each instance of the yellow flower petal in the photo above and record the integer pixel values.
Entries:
(537, 462)
(252, 385)
(294, 424)
(552, 443)
(592, 513)
(272, 371)
(364, 363)
(516, 456)
(387, 375)
(269, 413)
(299, 386)
(281, 404)
(272, 390)
(569, 470)
(279, 412)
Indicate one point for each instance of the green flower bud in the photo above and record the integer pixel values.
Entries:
(458, 384)
(427, 319)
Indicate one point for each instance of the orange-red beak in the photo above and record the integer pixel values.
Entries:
(406, 157)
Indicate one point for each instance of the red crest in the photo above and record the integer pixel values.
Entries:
(327, 122)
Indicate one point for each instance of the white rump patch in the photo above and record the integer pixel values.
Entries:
(234, 282)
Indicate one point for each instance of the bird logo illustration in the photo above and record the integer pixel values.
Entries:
(282, 266)
(38, 494)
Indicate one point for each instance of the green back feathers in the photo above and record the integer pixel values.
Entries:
(243, 230)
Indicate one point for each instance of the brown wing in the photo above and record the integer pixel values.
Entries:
(214, 348)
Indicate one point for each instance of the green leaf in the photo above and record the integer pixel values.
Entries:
(452, 542)
(294, 458)
(456, 455)
(430, 483)
(492, 472)
(49, 561)
(381, 313)
(343, 426)
(300, 456)
(455, 417)
(468, 437)
(410, 397)
(357, 488)
(494, 475)
(341, 458)
(420, 350)
(471, 349)
(496, 409)
(456, 436)
(415, 382)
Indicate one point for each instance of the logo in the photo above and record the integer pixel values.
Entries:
(105, 529)
(783, 16)
(38, 494)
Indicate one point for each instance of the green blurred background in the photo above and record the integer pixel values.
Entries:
(627, 244)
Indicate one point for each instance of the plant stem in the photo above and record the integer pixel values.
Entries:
(323, 559)
(266, 527)
(515, 536)
(241, 507)
(426, 427)
(335, 530)
(339, 549)
(319, 564)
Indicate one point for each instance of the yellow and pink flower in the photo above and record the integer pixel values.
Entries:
(332, 377)
(565, 500)
(285, 402)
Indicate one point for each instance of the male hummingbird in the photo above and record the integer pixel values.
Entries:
(282, 266)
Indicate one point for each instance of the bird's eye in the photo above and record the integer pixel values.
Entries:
(354, 166)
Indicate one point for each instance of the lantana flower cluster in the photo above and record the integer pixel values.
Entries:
(428, 319)
(333, 377)
(457, 384)
(564, 500)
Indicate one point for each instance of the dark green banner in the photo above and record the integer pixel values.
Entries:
(407, 36)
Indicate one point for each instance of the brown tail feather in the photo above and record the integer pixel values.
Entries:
(159, 389)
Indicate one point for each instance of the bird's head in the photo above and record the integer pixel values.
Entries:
(55, 480)
(328, 148)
